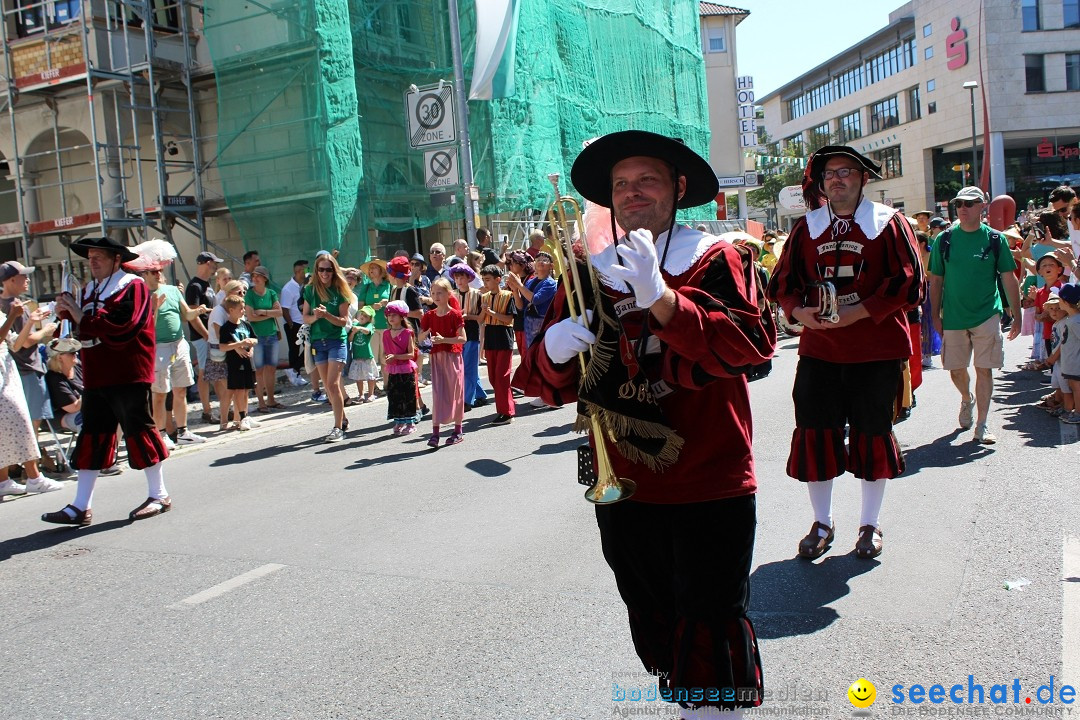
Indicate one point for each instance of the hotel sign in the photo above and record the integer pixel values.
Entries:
(744, 96)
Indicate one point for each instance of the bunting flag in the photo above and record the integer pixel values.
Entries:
(496, 40)
(764, 161)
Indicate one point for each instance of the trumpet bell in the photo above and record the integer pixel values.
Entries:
(606, 493)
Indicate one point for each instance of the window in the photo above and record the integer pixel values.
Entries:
(35, 15)
(927, 29)
(928, 52)
(849, 127)
(895, 59)
(1029, 15)
(819, 136)
(930, 85)
(890, 162)
(1072, 13)
(717, 40)
(914, 109)
(1035, 73)
(794, 141)
(1072, 71)
(883, 114)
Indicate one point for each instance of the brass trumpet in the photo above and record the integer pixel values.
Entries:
(562, 214)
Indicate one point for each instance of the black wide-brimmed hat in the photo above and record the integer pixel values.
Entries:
(591, 173)
(820, 157)
(83, 247)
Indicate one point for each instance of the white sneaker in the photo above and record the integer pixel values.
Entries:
(189, 438)
(336, 435)
(245, 424)
(967, 412)
(169, 444)
(43, 485)
(10, 487)
(984, 436)
(252, 422)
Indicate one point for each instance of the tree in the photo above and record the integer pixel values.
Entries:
(780, 168)
(784, 167)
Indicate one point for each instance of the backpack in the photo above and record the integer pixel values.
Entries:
(995, 246)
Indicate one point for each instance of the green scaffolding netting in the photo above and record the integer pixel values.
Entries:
(312, 136)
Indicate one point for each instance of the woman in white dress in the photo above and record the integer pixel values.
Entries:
(18, 445)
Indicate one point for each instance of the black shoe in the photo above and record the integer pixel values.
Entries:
(502, 420)
(468, 407)
(516, 393)
(480, 402)
(424, 411)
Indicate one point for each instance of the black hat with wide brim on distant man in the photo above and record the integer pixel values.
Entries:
(822, 156)
(85, 245)
(591, 173)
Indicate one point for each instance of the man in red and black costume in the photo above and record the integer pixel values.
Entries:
(677, 326)
(114, 321)
(849, 370)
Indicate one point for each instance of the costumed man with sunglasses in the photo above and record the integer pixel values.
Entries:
(850, 364)
(965, 305)
(114, 321)
(677, 327)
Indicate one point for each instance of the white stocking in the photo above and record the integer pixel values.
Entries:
(873, 493)
(155, 482)
(821, 500)
(84, 493)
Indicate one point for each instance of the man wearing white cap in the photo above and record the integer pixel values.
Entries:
(966, 308)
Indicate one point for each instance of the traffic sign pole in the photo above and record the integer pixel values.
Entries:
(462, 110)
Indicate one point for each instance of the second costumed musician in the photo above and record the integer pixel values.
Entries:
(678, 326)
(849, 371)
(114, 321)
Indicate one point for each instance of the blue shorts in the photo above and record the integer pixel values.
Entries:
(202, 350)
(265, 353)
(326, 350)
(37, 396)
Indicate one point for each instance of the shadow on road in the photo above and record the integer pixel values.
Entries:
(944, 452)
(791, 597)
(53, 536)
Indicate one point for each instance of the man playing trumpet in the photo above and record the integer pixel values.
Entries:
(674, 330)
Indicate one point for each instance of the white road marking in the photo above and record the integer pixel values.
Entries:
(231, 584)
(1070, 611)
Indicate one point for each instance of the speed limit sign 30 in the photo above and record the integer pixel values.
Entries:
(429, 113)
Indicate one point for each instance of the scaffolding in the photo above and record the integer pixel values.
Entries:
(131, 166)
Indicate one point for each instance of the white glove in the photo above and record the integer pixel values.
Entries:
(640, 269)
(567, 338)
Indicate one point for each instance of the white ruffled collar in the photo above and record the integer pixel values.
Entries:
(871, 217)
(687, 247)
(114, 284)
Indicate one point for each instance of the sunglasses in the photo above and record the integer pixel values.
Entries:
(326, 269)
(437, 252)
(968, 203)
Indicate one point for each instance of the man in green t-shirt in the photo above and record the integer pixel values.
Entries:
(965, 264)
(172, 368)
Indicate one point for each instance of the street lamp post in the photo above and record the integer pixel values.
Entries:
(970, 86)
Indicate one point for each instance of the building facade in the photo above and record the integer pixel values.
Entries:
(905, 95)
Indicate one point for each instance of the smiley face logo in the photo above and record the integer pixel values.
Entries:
(862, 693)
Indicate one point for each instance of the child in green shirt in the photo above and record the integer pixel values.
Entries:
(363, 368)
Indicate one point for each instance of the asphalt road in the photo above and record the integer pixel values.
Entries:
(375, 578)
